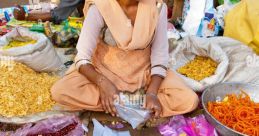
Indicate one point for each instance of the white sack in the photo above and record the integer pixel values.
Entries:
(243, 62)
(191, 47)
(40, 56)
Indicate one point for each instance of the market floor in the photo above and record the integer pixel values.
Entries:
(106, 119)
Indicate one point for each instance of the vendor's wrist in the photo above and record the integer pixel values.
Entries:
(100, 80)
(151, 94)
(151, 91)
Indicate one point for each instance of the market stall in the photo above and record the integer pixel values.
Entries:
(213, 49)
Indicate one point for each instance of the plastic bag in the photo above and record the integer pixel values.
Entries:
(134, 116)
(66, 125)
(194, 16)
(188, 49)
(131, 110)
(40, 56)
(209, 25)
(180, 126)
(100, 130)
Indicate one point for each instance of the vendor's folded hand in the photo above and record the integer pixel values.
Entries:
(153, 104)
(108, 94)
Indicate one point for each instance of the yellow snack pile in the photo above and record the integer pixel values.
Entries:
(199, 68)
(24, 91)
(21, 41)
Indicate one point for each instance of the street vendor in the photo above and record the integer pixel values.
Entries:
(124, 47)
(57, 15)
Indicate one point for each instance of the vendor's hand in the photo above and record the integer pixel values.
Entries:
(108, 94)
(153, 104)
(19, 13)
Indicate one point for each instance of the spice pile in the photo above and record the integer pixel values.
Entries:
(18, 42)
(238, 112)
(199, 68)
(24, 91)
(53, 126)
(64, 131)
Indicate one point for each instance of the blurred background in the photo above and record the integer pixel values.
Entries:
(11, 3)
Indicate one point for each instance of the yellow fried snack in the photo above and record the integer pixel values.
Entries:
(24, 91)
(18, 42)
(199, 68)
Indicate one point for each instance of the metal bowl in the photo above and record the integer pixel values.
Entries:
(217, 93)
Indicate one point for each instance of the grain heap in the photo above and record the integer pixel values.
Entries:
(24, 91)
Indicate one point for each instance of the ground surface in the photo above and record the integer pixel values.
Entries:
(106, 119)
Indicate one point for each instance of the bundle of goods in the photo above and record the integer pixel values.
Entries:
(55, 126)
(199, 63)
(238, 112)
(67, 36)
(30, 48)
(199, 68)
(24, 91)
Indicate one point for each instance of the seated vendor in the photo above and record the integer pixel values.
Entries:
(124, 47)
(59, 14)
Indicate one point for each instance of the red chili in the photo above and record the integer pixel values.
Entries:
(62, 132)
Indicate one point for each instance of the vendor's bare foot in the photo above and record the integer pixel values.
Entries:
(19, 13)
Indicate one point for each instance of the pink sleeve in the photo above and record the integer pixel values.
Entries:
(160, 46)
(89, 35)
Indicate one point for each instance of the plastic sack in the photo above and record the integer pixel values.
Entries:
(66, 125)
(188, 49)
(241, 23)
(40, 56)
(100, 130)
(181, 126)
(194, 16)
(209, 25)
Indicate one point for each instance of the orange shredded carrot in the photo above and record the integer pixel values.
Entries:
(238, 112)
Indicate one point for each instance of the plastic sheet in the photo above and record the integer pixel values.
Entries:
(178, 125)
(100, 130)
(49, 126)
(241, 23)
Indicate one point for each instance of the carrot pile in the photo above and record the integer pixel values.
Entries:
(238, 112)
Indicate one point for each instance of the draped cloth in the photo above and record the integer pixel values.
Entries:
(127, 64)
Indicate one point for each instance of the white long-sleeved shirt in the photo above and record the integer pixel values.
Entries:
(91, 30)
